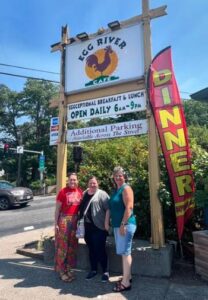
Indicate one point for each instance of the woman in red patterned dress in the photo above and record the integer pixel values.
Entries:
(66, 214)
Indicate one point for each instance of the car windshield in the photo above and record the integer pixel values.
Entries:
(6, 185)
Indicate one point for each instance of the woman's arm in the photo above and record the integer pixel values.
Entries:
(81, 207)
(128, 199)
(107, 220)
(57, 213)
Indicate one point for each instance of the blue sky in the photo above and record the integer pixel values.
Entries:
(29, 27)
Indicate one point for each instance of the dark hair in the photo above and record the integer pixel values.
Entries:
(71, 173)
(93, 177)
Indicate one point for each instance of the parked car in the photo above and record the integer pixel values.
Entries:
(10, 195)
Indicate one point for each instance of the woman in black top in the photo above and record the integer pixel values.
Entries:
(96, 227)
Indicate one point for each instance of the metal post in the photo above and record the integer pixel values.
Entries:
(19, 179)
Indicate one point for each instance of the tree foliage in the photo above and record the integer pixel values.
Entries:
(196, 113)
(25, 119)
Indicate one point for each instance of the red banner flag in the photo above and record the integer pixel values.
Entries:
(170, 121)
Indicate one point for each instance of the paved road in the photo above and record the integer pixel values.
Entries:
(39, 214)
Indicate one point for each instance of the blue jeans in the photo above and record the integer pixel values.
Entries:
(124, 242)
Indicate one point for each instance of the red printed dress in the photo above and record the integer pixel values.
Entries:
(65, 240)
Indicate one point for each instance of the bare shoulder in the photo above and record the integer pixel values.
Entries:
(127, 192)
(128, 189)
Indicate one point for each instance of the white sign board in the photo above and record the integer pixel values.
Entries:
(107, 131)
(20, 149)
(110, 58)
(54, 129)
(106, 106)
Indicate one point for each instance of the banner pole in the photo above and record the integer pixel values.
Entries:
(181, 249)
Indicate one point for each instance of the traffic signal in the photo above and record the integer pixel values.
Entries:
(77, 154)
(6, 148)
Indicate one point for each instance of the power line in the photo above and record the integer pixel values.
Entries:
(29, 77)
(44, 71)
(24, 68)
(184, 92)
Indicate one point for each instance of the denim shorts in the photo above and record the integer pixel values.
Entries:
(124, 242)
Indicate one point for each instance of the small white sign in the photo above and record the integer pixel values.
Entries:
(107, 131)
(54, 129)
(107, 106)
(20, 149)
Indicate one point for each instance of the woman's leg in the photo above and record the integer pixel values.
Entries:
(127, 262)
(123, 247)
(92, 254)
(71, 259)
(126, 255)
(99, 242)
(61, 246)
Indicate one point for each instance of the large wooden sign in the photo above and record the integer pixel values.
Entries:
(108, 59)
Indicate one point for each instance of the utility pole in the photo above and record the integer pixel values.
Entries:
(19, 179)
(62, 145)
(157, 229)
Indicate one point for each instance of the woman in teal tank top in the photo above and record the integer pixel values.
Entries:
(124, 225)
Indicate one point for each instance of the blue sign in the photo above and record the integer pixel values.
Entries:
(54, 121)
(42, 162)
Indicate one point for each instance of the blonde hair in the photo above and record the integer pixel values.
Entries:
(120, 170)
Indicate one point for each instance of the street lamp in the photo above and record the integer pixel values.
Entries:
(114, 25)
(83, 36)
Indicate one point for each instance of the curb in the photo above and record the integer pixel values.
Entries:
(29, 250)
(43, 197)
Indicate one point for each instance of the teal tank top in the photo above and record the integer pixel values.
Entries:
(117, 208)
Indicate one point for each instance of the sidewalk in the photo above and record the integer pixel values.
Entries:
(30, 279)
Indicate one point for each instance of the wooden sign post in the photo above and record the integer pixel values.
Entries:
(62, 144)
(157, 230)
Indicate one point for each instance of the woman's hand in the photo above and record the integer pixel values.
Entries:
(107, 226)
(122, 229)
(56, 228)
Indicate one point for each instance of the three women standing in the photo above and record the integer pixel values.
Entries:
(95, 208)
(66, 216)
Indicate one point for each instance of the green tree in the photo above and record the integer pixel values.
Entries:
(196, 112)
(11, 111)
(29, 108)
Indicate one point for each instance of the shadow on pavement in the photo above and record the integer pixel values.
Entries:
(32, 273)
(26, 273)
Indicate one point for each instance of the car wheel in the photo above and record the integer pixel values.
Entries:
(4, 203)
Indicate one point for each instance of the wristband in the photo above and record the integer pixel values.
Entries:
(123, 224)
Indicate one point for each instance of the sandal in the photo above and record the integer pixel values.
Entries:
(64, 277)
(119, 287)
(71, 275)
(121, 278)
